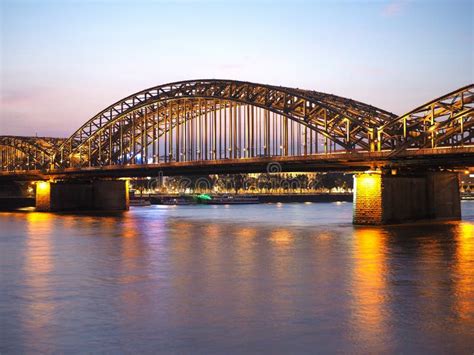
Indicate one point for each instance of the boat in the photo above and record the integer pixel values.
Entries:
(467, 196)
(139, 202)
(233, 200)
(180, 201)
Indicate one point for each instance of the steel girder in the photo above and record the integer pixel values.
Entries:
(141, 131)
(347, 123)
(447, 121)
(139, 127)
(26, 153)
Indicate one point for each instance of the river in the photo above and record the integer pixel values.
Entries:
(273, 278)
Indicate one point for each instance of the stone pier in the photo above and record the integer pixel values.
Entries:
(98, 195)
(384, 199)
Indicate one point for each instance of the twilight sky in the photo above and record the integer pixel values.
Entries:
(63, 61)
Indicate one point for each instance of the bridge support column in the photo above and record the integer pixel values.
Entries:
(100, 195)
(384, 199)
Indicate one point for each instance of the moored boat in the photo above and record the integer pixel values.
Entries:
(180, 201)
(233, 200)
(139, 202)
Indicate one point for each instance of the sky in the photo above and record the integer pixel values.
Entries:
(63, 61)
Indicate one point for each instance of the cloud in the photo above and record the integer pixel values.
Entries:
(394, 8)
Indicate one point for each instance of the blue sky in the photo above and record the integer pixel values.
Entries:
(63, 61)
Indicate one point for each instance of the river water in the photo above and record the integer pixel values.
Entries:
(275, 278)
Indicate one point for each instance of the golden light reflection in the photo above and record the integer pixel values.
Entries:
(247, 232)
(182, 242)
(197, 246)
(133, 255)
(323, 236)
(369, 285)
(281, 237)
(212, 230)
(182, 229)
(284, 269)
(130, 230)
(465, 273)
(466, 240)
(211, 252)
(324, 272)
(246, 267)
(45, 220)
(38, 268)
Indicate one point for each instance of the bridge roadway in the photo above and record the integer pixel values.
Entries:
(418, 160)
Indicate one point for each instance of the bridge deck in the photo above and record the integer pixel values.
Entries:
(458, 157)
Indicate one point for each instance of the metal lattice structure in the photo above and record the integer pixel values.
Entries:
(206, 120)
(447, 121)
(324, 123)
(27, 153)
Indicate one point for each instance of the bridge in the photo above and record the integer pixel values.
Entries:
(227, 126)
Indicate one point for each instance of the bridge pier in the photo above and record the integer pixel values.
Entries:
(384, 199)
(97, 195)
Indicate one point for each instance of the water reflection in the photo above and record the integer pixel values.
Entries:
(151, 280)
(281, 237)
(39, 308)
(464, 278)
(369, 288)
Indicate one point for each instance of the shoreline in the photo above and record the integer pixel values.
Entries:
(264, 198)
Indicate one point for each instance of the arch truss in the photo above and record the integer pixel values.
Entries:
(221, 119)
(27, 153)
(198, 120)
(445, 122)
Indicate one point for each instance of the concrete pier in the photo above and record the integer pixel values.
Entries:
(98, 195)
(385, 199)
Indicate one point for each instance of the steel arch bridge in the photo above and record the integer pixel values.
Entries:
(206, 121)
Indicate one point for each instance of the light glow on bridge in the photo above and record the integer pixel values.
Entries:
(43, 195)
(367, 197)
(218, 120)
(42, 187)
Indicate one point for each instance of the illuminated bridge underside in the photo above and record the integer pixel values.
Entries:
(216, 125)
